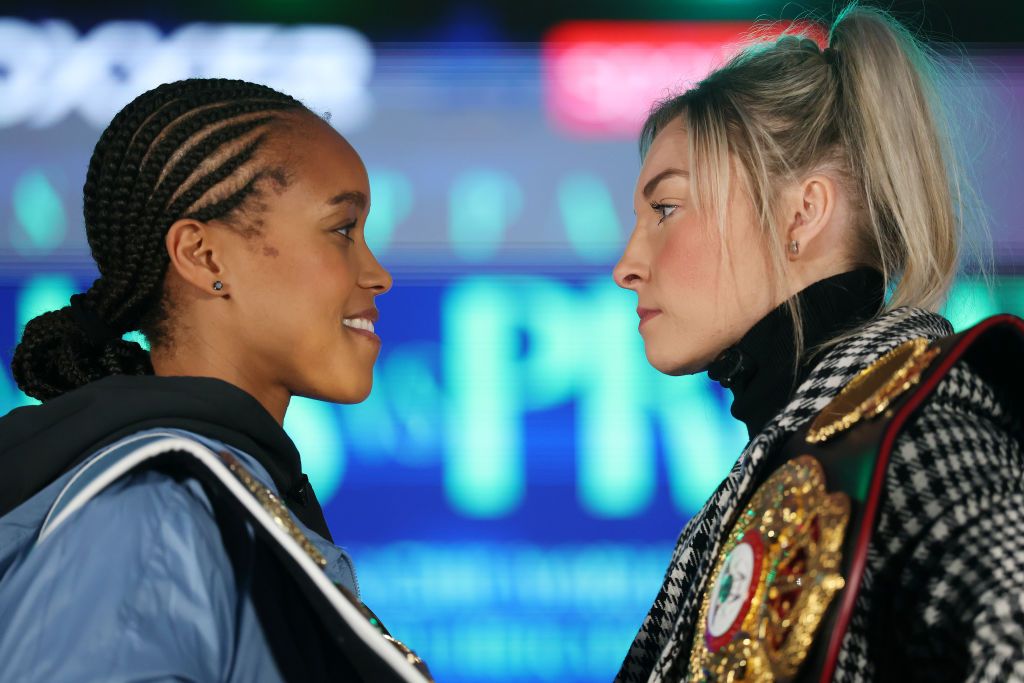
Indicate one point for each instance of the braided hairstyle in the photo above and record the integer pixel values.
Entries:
(182, 150)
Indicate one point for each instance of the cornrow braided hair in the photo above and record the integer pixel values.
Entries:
(187, 149)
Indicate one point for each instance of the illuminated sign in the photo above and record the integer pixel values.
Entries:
(48, 71)
(601, 77)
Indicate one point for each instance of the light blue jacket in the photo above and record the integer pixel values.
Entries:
(135, 585)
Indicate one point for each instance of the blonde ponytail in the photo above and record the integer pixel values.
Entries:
(898, 140)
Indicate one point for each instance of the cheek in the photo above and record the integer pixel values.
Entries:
(750, 277)
(687, 262)
(299, 291)
(279, 282)
(322, 288)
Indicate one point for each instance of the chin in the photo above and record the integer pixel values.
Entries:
(676, 364)
(348, 391)
(354, 394)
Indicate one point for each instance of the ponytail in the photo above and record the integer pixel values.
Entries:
(58, 352)
(899, 146)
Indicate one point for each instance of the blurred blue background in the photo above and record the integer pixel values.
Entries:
(512, 489)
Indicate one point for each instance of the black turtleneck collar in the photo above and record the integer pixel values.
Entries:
(39, 442)
(762, 370)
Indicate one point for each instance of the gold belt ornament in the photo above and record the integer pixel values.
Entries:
(277, 510)
(874, 388)
(776, 574)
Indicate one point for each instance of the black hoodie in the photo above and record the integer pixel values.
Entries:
(38, 443)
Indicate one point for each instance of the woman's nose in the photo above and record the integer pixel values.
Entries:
(631, 268)
(375, 276)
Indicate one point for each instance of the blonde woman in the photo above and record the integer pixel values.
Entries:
(873, 527)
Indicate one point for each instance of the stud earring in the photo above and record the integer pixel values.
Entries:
(218, 285)
(794, 247)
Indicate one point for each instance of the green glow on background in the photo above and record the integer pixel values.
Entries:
(418, 401)
(615, 445)
(42, 293)
(370, 422)
(624, 402)
(39, 294)
(39, 213)
(301, 11)
(589, 217)
(970, 301)
(512, 345)
(138, 338)
(546, 314)
(702, 439)
(313, 426)
(581, 346)
(482, 204)
(484, 473)
(1010, 292)
(391, 199)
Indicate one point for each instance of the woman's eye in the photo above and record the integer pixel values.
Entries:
(345, 230)
(664, 210)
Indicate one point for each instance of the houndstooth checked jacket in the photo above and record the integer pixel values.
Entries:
(942, 597)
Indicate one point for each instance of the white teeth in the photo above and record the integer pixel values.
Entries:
(358, 323)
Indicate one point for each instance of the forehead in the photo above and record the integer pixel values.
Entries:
(669, 149)
(319, 158)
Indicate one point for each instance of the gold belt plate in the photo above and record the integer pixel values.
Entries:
(776, 574)
(873, 389)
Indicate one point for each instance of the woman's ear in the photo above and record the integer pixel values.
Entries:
(196, 256)
(810, 206)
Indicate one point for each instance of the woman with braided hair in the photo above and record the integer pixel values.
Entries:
(156, 522)
(798, 219)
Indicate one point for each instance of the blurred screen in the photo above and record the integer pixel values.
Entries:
(513, 487)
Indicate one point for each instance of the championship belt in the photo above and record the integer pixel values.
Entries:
(782, 591)
(357, 635)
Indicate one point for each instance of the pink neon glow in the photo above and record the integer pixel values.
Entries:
(602, 77)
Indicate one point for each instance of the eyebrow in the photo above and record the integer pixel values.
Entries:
(350, 197)
(653, 182)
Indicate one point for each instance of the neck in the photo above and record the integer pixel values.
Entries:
(763, 369)
(195, 363)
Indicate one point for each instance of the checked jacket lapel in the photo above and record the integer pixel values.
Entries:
(661, 649)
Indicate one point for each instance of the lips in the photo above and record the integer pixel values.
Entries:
(646, 314)
(370, 314)
(362, 323)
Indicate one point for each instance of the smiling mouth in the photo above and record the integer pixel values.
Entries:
(361, 326)
(358, 323)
